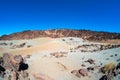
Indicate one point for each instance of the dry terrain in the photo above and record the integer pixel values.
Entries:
(58, 58)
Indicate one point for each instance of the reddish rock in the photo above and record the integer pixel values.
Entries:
(76, 73)
(83, 72)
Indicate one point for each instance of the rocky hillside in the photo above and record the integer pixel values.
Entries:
(85, 34)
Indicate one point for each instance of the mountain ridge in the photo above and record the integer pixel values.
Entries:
(58, 33)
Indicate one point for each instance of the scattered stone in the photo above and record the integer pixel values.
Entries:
(91, 61)
(111, 55)
(59, 54)
(83, 72)
(80, 72)
(71, 38)
(29, 46)
(11, 44)
(18, 46)
(95, 47)
(2, 69)
(76, 73)
(90, 69)
(118, 66)
(103, 78)
(63, 39)
(115, 54)
(3, 44)
(22, 45)
(107, 58)
(1, 60)
(83, 65)
(118, 60)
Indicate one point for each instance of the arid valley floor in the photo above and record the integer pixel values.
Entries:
(67, 58)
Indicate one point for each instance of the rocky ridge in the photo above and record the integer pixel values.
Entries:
(58, 33)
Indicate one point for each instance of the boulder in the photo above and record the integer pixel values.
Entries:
(7, 63)
(83, 72)
(13, 62)
(23, 66)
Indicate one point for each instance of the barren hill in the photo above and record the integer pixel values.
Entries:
(85, 34)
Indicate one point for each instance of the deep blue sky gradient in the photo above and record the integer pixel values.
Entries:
(19, 15)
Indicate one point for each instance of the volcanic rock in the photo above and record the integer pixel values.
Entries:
(91, 61)
(83, 72)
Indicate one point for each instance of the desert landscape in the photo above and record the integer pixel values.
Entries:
(60, 55)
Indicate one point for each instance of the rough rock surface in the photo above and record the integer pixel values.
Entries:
(13, 67)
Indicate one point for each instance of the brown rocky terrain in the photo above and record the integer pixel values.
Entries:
(85, 34)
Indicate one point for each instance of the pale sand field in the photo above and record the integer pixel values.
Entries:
(60, 68)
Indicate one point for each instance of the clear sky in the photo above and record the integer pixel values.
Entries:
(19, 15)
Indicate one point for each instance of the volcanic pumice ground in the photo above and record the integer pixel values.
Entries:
(63, 57)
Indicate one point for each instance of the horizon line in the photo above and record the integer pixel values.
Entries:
(56, 29)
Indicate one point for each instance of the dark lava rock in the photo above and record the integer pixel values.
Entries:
(1, 60)
(2, 69)
(90, 68)
(83, 65)
(23, 66)
(115, 54)
(103, 78)
(118, 66)
(91, 61)
(111, 55)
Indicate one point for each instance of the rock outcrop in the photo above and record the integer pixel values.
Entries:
(13, 67)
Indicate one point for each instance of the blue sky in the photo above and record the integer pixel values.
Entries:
(19, 15)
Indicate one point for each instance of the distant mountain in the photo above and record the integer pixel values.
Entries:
(85, 34)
